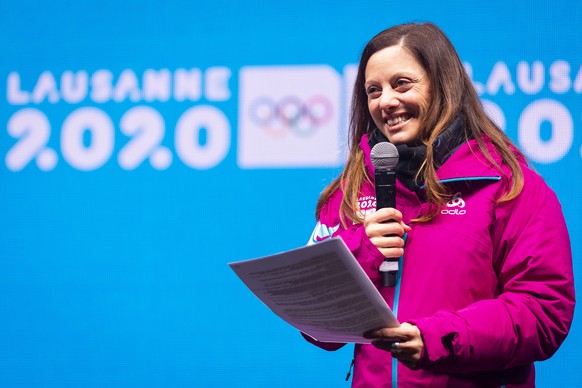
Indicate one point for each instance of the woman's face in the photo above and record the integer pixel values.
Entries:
(398, 93)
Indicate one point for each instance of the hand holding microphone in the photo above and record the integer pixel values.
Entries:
(385, 227)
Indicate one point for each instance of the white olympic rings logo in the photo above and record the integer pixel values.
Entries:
(291, 114)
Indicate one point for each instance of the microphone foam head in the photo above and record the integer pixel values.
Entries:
(384, 156)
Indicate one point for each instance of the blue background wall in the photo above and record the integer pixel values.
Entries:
(114, 243)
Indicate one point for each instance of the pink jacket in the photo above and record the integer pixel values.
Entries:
(489, 284)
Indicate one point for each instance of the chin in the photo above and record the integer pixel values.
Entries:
(402, 138)
(397, 140)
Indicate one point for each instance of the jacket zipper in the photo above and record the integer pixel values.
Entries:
(350, 370)
(395, 312)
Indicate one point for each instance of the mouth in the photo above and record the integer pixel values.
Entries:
(396, 121)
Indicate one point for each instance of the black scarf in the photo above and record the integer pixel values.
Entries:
(411, 157)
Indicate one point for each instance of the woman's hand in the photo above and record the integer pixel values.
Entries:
(404, 343)
(385, 230)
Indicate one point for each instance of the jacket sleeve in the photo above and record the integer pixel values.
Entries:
(368, 256)
(329, 225)
(533, 312)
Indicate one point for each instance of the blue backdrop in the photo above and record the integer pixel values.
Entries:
(141, 151)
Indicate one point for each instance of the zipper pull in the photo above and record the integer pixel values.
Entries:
(350, 370)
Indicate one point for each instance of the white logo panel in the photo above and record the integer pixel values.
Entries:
(456, 201)
(458, 204)
(289, 116)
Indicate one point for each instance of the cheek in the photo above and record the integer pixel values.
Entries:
(421, 98)
(424, 109)
(425, 100)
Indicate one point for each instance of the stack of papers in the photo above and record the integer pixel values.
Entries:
(319, 289)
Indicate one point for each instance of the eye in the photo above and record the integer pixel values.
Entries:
(373, 91)
(403, 84)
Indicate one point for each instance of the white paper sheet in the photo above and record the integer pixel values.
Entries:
(319, 289)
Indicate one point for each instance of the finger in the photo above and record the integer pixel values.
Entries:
(390, 229)
(396, 349)
(375, 230)
(391, 334)
(389, 213)
(405, 358)
(410, 364)
(385, 345)
(385, 214)
(388, 241)
(381, 334)
(404, 332)
(391, 253)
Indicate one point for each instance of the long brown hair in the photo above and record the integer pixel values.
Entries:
(451, 95)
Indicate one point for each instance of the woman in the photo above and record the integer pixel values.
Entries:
(485, 284)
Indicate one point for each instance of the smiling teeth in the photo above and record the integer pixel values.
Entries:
(397, 120)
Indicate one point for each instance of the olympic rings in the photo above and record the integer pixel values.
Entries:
(291, 114)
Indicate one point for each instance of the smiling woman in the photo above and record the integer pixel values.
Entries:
(484, 285)
(397, 87)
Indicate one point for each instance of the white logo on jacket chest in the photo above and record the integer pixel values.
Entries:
(455, 205)
(366, 205)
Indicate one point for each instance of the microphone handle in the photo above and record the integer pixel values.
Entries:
(389, 278)
(385, 189)
(386, 197)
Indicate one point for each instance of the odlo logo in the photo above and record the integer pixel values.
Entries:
(455, 202)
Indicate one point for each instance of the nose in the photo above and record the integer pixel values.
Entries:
(388, 100)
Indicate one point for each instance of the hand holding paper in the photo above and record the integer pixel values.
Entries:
(319, 289)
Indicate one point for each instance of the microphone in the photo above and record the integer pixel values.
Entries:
(384, 157)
